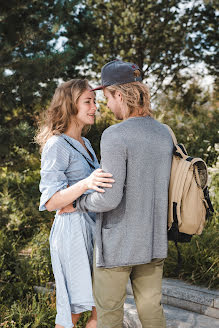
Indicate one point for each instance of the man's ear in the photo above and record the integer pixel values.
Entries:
(118, 95)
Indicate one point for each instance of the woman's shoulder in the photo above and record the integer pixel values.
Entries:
(56, 142)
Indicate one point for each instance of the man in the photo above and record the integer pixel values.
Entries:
(131, 231)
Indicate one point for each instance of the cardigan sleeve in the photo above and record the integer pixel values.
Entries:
(113, 160)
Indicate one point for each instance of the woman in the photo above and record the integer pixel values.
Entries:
(69, 168)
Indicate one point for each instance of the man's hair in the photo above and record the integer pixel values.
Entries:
(135, 95)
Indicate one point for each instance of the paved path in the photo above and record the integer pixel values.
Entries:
(185, 306)
(175, 317)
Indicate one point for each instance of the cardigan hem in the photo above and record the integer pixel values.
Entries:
(105, 266)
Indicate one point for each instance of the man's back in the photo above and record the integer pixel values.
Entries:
(133, 228)
(131, 231)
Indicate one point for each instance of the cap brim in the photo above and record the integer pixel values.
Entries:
(98, 88)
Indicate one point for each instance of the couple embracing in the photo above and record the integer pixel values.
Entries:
(111, 222)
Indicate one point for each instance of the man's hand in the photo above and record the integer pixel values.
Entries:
(67, 209)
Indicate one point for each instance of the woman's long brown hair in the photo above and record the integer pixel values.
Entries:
(57, 117)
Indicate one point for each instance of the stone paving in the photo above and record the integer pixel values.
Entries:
(189, 297)
(175, 317)
(185, 306)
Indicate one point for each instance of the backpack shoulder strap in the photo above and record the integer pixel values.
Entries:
(172, 134)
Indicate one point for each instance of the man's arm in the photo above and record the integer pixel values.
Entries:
(113, 160)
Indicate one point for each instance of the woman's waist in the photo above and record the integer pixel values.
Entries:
(76, 214)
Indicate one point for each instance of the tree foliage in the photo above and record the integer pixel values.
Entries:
(31, 63)
(31, 66)
(33, 60)
(163, 37)
(44, 41)
(192, 113)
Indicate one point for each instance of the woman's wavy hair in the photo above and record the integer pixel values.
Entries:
(135, 95)
(57, 117)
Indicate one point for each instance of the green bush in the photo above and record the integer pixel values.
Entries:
(14, 273)
(35, 311)
(200, 263)
(192, 113)
(20, 222)
(39, 259)
(24, 231)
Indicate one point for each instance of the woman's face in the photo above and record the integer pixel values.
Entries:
(86, 108)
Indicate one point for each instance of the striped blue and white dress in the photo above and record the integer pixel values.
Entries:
(72, 234)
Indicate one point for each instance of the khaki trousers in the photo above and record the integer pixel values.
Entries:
(109, 288)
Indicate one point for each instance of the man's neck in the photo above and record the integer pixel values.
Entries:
(135, 114)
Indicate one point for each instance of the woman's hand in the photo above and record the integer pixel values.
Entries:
(67, 209)
(98, 179)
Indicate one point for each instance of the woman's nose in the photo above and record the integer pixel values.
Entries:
(94, 106)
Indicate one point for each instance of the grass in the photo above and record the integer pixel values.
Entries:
(35, 311)
(200, 262)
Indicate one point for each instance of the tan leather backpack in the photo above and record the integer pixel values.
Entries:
(189, 202)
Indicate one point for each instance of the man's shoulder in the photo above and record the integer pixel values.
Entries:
(113, 136)
(125, 128)
(115, 129)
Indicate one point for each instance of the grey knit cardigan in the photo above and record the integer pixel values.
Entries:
(131, 228)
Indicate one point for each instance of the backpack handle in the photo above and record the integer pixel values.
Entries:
(172, 135)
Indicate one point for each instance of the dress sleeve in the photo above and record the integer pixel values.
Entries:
(54, 162)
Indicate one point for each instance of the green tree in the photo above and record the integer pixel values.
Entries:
(162, 37)
(192, 112)
(31, 66)
(31, 63)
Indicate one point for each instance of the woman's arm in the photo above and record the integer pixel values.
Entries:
(66, 196)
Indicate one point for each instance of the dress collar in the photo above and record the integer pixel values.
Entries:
(79, 146)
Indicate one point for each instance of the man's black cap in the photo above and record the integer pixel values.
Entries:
(118, 72)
